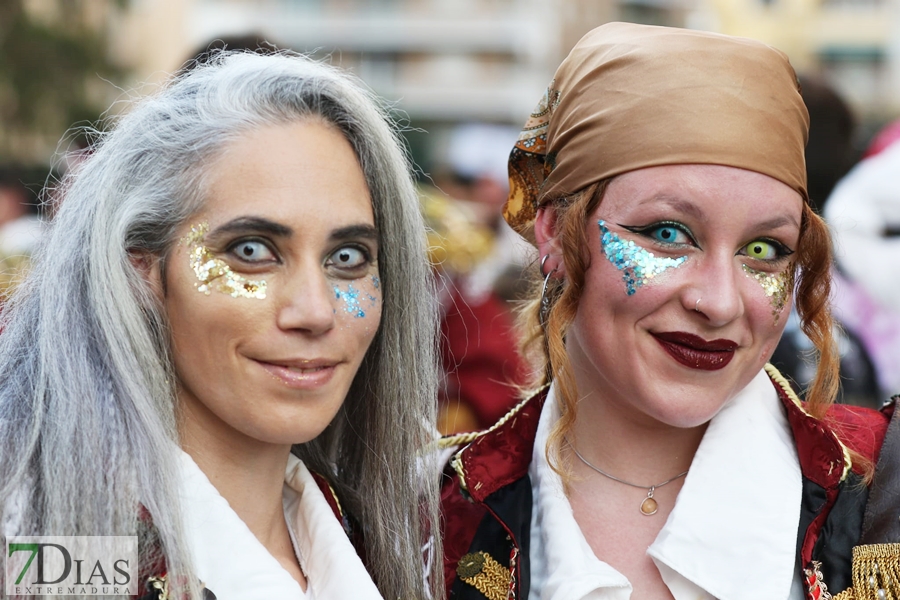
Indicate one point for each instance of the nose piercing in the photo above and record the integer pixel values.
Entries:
(697, 305)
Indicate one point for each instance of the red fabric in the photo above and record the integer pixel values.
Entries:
(821, 456)
(459, 529)
(501, 457)
(479, 354)
(886, 137)
(490, 462)
(860, 429)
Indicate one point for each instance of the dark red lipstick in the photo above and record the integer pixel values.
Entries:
(695, 352)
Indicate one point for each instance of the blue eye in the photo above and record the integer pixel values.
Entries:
(664, 233)
(252, 251)
(668, 234)
(348, 257)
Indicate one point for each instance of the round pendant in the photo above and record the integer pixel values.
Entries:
(649, 507)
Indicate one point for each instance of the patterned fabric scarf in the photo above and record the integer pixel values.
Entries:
(633, 96)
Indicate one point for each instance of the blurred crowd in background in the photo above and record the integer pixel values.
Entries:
(461, 78)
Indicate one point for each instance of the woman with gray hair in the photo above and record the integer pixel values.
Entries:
(226, 344)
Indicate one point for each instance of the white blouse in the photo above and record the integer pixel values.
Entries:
(231, 562)
(731, 535)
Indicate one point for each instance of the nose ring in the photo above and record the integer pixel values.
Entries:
(697, 305)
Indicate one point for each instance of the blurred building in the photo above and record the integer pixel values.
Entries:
(450, 61)
(852, 44)
(441, 61)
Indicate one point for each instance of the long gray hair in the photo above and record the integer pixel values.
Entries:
(87, 387)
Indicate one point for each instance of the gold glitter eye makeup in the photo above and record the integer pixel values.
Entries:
(214, 273)
(777, 286)
(638, 266)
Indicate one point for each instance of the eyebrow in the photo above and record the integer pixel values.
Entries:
(777, 222)
(261, 225)
(691, 209)
(355, 231)
(253, 224)
(678, 204)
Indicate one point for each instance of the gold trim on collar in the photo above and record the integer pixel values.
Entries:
(468, 438)
(783, 383)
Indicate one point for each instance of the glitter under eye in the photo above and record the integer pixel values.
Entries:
(777, 286)
(351, 299)
(214, 273)
(638, 266)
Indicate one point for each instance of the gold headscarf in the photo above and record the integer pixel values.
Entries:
(633, 96)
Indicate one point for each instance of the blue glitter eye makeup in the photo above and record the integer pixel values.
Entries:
(638, 266)
(351, 298)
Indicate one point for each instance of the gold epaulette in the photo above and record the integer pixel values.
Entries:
(480, 570)
(876, 573)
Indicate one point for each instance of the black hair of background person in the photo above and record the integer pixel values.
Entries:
(830, 152)
(28, 180)
(252, 42)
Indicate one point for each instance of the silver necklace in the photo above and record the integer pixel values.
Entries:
(649, 506)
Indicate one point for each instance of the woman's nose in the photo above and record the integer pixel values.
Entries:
(307, 303)
(716, 294)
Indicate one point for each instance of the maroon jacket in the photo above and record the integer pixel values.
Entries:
(486, 499)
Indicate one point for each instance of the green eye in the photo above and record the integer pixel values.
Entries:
(761, 250)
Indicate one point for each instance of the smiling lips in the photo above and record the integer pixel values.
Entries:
(301, 374)
(695, 352)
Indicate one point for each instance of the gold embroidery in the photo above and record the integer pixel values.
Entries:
(815, 584)
(876, 573)
(479, 569)
(161, 584)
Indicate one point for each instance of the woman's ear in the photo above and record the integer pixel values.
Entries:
(150, 267)
(547, 242)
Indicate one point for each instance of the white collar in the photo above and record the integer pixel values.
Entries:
(731, 535)
(232, 562)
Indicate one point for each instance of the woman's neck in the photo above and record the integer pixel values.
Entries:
(250, 476)
(631, 445)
